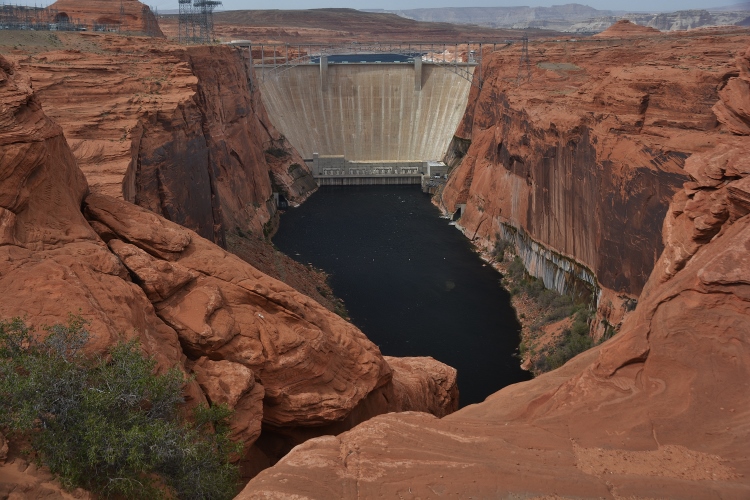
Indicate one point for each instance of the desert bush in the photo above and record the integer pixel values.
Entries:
(553, 307)
(516, 270)
(110, 425)
(498, 251)
(573, 342)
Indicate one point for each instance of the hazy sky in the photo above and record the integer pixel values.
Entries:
(627, 5)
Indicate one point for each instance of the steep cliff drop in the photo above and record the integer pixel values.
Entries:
(221, 139)
(576, 165)
(133, 274)
(659, 411)
(181, 131)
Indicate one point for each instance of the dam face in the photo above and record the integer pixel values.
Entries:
(366, 112)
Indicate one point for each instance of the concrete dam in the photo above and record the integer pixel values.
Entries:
(366, 122)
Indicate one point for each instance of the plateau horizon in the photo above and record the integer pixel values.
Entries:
(616, 6)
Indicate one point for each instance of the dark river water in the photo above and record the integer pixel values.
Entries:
(410, 281)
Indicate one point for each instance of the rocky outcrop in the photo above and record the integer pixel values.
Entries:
(222, 140)
(274, 355)
(314, 366)
(142, 117)
(578, 165)
(125, 16)
(20, 479)
(625, 28)
(660, 410)
(733, 108)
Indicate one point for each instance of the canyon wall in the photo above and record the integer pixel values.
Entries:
(366, 112)
(658, 411)
(133, 274)
(126, 16)
(177, 130)
(222, 142)
(578, 164)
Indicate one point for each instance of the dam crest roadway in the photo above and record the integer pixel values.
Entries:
(367, 113)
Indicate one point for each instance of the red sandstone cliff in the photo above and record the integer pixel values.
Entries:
(292, 363)
(125, 15)
(177, 130)
(578, 165)
(659, 411)
(220, 139)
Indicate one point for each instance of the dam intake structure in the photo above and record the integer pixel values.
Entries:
(368, 113)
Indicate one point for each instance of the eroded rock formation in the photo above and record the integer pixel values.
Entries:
(125, 16)
(577, 166)
(220, 139)
(659, 411)
(180, 131)
(276, 356)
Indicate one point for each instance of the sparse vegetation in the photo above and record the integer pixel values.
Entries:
(574, 341)
(498, 251)
(110, 425)
(550, 307)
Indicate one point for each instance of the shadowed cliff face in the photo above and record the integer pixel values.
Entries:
(177, 130)
(586, 156)
(211, 163)
(277, 357)
(658, 411)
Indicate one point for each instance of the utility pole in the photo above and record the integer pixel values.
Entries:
(122, 17)
(524, 64)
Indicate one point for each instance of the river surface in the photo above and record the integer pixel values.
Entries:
(409, 280)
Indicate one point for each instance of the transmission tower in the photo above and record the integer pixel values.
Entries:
(196, 20)
(184, 20)
(524, 65)
(122, 17)
(204, 10)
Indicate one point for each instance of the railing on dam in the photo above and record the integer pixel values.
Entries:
(461, 58)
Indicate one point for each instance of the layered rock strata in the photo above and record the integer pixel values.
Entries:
(125, 16)
(577, 165)
(274, 355)
(180, 131)
(658, 411)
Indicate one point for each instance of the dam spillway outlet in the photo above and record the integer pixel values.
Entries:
(336, 170)
(366, 112)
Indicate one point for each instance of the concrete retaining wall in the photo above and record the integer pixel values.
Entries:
(367, 112)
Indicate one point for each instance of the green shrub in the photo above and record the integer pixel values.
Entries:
(498, 252)
(110, 425)
(516, 270)
(553, 307)
(559, 307)
(574, 341)
(533, 287)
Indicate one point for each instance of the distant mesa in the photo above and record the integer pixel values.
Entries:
(625, 28)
